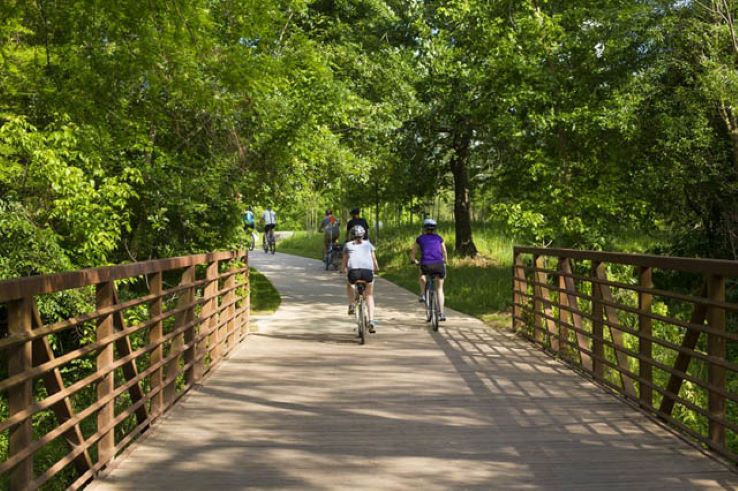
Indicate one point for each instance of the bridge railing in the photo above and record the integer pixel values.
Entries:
(81, 387)
(658, 330)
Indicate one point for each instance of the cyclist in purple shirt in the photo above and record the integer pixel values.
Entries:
(433, 259)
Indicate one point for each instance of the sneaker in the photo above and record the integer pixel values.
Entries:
(351, 310)
(442, 317)
(421, 299)
(372, 325)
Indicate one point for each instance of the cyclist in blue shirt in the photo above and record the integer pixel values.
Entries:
(433, 257)
(248, 219)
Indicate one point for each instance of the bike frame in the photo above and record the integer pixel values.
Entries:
(360, 310)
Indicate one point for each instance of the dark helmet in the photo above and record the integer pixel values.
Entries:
(355, 211)
(329, 212)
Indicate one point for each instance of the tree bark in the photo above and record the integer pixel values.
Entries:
(462, 216)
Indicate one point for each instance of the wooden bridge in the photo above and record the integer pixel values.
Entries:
(154, 388)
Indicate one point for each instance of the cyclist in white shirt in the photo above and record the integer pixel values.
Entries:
(269, 217)
(360, 260)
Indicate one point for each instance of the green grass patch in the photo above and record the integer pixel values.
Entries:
(480, 287)
(264, 297)
(303, 244)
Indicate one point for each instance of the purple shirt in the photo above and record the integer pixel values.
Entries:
(430, 248)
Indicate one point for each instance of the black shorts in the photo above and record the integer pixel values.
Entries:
(269, 226)
(248, 226)
(434, 269)
(355, 275)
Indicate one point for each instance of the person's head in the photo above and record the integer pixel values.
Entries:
(328, 212)
(355, 212)
(357, 233)
(248, 208)
(269, 207)
(429, 226)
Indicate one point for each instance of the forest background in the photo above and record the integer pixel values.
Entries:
(128, 129)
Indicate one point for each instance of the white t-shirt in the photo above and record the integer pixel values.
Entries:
(269, 217)
(359, 255)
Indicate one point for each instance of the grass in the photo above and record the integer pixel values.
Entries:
(264, 297)
(480, 287)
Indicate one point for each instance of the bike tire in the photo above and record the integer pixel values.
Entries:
(434, 311)
(327, 261)
(252, 244)
(428, 304)
(361, 322)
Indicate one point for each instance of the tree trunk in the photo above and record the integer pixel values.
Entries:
(462, 216)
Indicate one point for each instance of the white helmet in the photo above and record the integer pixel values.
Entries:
(429, 223)
(357, 231)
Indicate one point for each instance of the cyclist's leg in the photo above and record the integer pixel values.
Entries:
(350, 293)
(441, 295)
(421, 282)
(369, 296)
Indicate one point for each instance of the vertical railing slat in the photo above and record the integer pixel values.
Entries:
(598, 347)
(20, 321)
(156, 333)
(716, 346)
(645, 346)
(105, 297)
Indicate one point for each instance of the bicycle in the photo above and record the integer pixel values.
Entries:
(269, 242)
(251, 241)
(432, 306)
(332, 256)
(361, 311)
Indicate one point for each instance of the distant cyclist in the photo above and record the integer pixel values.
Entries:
(356, 220)
(360, 260)
(269, 218)
(331, 228)
(249, 223)
(433, 258)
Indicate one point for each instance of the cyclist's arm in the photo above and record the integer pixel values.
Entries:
(414, 252)
(374, 260)
(344, 262)
(445, 254)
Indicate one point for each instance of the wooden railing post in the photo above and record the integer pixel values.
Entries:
(190, 334)
(208, 320)
(230, 299)
(598, 347)
(544, 293)
(184, 303)
(156, 333)
(645, 348)
(246, 303)
(20, 318)
(537, 305)
(564, 314)
(576, 315)
(105, 328)
(519, 287)
(716, 346)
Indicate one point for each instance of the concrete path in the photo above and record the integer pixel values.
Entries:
(301, 406)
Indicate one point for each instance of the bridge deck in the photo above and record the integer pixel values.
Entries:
(302, 406)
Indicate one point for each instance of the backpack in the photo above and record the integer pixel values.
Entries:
(248, 218)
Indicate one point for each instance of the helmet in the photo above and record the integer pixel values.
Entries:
(357, 231)
(328, 211)
(429, 224)
(355, 211)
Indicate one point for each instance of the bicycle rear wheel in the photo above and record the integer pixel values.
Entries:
(360, 321)
(428, 304)
(434, 310)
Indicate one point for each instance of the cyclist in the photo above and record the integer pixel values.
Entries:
(330, 226)
(360, 260)
(433, 258)
(269, 217)
(249, 222)
(356, 220)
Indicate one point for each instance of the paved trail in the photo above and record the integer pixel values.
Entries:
(300, 405)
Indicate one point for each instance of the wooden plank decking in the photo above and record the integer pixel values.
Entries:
(300, 405)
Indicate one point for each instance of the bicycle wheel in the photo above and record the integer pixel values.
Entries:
(434, 310)
(428, 304)
(327, 259)
(360, 321)
(272, 244)
(252, 243)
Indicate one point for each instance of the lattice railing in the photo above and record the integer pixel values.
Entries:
(82, 386)
(661, 331)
